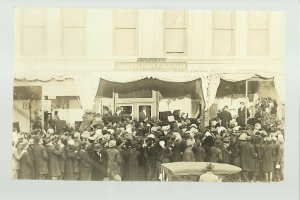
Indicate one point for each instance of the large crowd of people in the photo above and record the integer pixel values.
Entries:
(114, 147)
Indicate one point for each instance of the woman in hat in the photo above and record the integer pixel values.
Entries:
(188, 154)
(26, 163)
(53, 153)
(69, 164)
(40, 159)
(17, 154)
(114, 161)
(267, 160)
(216, 152)
(248, 157)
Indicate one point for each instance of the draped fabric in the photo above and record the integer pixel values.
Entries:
(125, 77)
(214, 82)
(279, 86)
(87, 86)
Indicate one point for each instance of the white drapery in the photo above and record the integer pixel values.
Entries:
(279, 86)
(87, 87)
(213, 84)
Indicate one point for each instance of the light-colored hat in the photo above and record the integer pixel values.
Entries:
(162, 143)
(190, 142)
(31, 141)
(177, 136)
(194, 125)
(242, 137)
(221, 128)
(274, 139)
(106, 137)
(71, 142)
(76, 135)
(50, 131)
(85, 134)
(112, 143)
(151, 136)
(281, 140)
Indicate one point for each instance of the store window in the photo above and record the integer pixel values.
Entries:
(33, 28)
(74, 32)
(257, 33)
(125, 32)
(175, 32)
(223, 33)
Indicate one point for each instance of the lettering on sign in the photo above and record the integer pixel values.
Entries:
(151, 60)
(151, 66)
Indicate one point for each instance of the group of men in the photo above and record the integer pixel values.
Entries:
(115, 147)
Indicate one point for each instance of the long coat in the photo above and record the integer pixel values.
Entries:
(248, 157)
(114, 162)
(40, 159)
(225, 154)
(235, 155)
(177, 153)
(258, 150)
(69, 168)
(62, 161)
(241, 116)
(26, 167)
(85, 167)
(53, 163)
(267, 158)
(188, 155)
(216, 155)
(199, 153)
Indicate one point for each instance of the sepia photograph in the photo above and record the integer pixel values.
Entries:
(168, 95)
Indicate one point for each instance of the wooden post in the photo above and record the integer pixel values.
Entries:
(246, 103)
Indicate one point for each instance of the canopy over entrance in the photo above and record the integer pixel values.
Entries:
(167, 89)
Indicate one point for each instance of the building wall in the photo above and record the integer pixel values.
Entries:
(84, 40)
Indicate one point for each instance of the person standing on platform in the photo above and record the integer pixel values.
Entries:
(225, 117)
(118, 117)
(242, 114)
(144, 115)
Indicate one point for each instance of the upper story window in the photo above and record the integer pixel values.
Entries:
(175, 38)
(258, 33)
(33, 32)
(125, 32)
(223, 33)
(74, 32)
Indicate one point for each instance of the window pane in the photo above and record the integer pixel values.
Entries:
(33, 41)
(74, 17)
(33, 17)
(125, 18)
(125, 42)
(174, 19)
(222, 19)
(73, 41)
(175, 40)
(257, 20)
(257, 42)
(222, 42)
